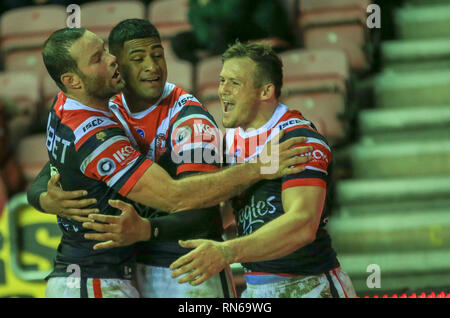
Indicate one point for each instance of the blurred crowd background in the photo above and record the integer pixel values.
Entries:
(375, 82)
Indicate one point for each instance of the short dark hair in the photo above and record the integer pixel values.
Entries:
(56, 55)
(269, 67)
(130, 29)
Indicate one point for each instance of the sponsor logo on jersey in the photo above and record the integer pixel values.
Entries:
(205, 130)
(183, 134)
(94, 123)
(182, 102)
(255, 214)
(123, 153)
(106, 166)
(101, 136)
(316, 155)
(141, 132)
(293, 122)
(160, 144)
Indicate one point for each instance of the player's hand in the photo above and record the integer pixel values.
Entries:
(277, 160)
(208, 258)
(125, 229)
(66, 204)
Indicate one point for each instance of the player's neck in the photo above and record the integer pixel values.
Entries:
(136, 105)
(91, 101)
(264, 113)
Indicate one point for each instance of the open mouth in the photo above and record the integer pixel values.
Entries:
(228, 106)
(116, 75)
(153, 79)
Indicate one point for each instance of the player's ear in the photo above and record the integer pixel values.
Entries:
(268, 91)
(71, 80)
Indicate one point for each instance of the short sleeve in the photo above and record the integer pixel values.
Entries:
(108, 156)
(316, 172)
(195, 141)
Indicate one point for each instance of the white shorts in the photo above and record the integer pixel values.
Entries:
(155, 282)
(63, 287)
(304, 287)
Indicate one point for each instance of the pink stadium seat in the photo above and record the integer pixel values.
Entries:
(320, 69)
(29, 27)
(323, 110)
(22, 89)
(31, 165)
(180, 72)
(314, 82)
(336, 24)
(19, 127)
(208, 71)
(49, 91)
(215, 109)
(169, 16)
(100, 17)
(25, 60)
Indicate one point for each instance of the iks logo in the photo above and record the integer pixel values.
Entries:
(123, 154)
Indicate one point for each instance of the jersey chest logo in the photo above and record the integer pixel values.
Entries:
(160, 145)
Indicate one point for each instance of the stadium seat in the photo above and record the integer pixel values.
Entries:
(421, 124)
(412, 89)
(49, 91)
(401, 159)
(180, 72)
(25, 60)
(29, 27)
(215, 109)
(22, 89)
(100, 17)
(315, 83)
(336, 24)
(19, 127)
(388, 195)
(316, 70)
(416, 55)
(391, 232)
(31, 165)
(169, 16)
(423, 22)
(208, 71)
(323, 110)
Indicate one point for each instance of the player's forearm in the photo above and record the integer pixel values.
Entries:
(38, 188)
(215, 187)
(275, 239)
(158, 190)
(185, 225)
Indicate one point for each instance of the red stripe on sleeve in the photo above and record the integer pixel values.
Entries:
(97, 284)
(135, 177)
(303, 182)
(196, 167)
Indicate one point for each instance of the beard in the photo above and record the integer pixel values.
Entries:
(99, 87)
